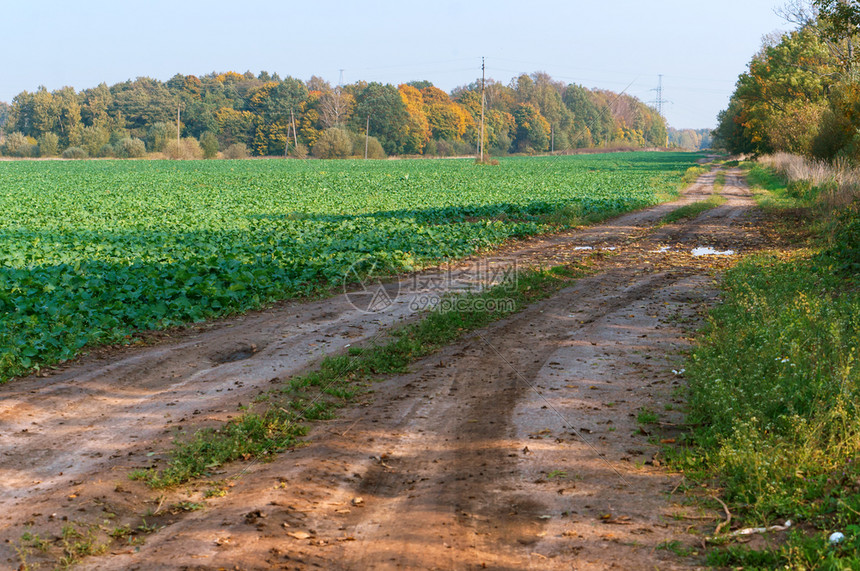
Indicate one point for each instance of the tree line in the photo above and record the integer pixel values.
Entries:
(690, 139)
(801, 93)
(264, 115)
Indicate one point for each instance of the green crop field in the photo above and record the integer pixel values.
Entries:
(92, 251)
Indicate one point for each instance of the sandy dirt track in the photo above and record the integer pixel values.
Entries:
(516, 448)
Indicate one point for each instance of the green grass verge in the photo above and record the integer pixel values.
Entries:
(316, 395)
(693, 209)
(774, 396)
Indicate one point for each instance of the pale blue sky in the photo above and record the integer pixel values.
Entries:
(699, 47)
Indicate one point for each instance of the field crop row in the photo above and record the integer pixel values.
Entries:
(91, 252)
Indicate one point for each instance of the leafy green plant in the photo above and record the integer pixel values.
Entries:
(677, 548)
(93, 252)
(647, 416)
(844, 243)
(79, 541)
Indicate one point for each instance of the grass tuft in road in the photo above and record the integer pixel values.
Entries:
(692, 210)
(693, 173)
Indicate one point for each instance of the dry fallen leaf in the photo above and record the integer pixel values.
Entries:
(299, 534)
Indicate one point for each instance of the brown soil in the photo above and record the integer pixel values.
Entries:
(516, 448)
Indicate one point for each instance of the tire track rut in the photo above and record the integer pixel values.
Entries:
(457, 465)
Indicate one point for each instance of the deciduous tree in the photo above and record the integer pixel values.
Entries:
(388, 116)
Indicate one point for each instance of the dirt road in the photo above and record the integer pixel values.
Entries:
(517, 448)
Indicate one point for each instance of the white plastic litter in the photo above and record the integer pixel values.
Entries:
(611, 248)
(583, 248)
(836, 537)
(708, 251)
(662, 250)
(752, 530)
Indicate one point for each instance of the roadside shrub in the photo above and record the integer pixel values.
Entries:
(186, 149)
(18, 145)
(299, 151)
(845, 241)
(209, 144)
(106, 151)
(374, 148)
(74, 153)
(118, 135)
(446, 148)
(524, 148)
(130, 148)
(49, 145)
(158, 136)
(236, 151)
(93, 139)
(333, 143)
(502, 144)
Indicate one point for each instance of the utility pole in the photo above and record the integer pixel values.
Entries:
(366, 136)
(177, 129)
(295, 134)
(482, 108)
(552, 138)
(289, 132)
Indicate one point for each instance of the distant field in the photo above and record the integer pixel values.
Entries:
(92, 251)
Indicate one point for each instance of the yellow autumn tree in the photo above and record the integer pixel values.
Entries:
(234, 126)
(432, 94)
(309, 124)
(418, 127)
(448, 120)
(229, 77)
